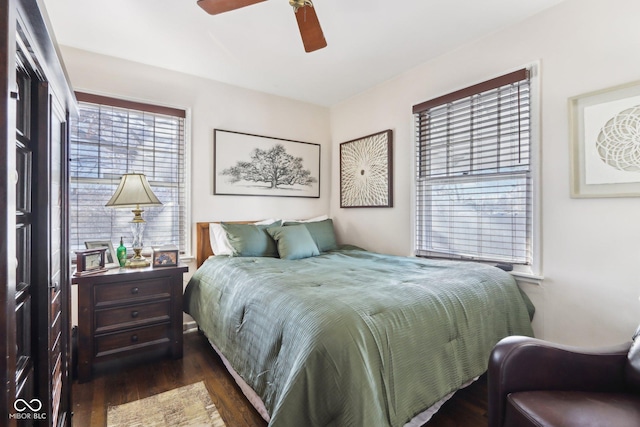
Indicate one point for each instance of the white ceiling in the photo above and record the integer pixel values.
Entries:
(259, 46)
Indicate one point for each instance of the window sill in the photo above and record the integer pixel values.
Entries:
(524, 276)
(522, 273)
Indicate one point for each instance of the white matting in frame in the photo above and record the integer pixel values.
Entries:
(605, 142)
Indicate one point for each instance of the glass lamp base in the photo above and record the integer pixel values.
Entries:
(138, 261)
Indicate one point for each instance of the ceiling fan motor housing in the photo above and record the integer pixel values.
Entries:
(300, 3)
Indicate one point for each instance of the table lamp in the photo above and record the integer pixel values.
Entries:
(134, 191)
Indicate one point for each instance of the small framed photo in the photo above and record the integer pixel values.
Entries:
(90, 261)
(110, 255)
(165, 256)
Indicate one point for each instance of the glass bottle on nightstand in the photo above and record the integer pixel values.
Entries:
(121, 253)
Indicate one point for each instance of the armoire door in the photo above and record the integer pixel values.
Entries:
(36, 99)
(24, 147)
(42, 323)
(51, 259)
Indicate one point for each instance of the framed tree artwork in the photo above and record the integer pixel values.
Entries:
(253, 165)
(366, 174)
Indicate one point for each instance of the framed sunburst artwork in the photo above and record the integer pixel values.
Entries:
(366, 171)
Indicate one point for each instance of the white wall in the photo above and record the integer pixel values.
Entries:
(213, 105)
(590, 247)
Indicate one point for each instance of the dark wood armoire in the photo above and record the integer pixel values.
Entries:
(37, 101)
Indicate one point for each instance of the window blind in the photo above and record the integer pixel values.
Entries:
(111, 137)
(473, 172)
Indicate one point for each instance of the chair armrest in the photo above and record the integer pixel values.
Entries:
(522, 363)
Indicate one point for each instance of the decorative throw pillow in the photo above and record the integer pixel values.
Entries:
(294, 242)
(218, 237)
(251, 240)
(322, 233)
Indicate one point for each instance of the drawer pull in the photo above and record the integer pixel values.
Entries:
(135, 290)
(134, 314)
(134, 338)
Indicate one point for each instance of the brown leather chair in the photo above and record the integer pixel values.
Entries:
(536, 383)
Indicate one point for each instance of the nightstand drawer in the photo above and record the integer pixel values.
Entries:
(133, 339)
(118, 293)
(132, 315)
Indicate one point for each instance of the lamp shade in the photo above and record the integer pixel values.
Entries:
(133, 191)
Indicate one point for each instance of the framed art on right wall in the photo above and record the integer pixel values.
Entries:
(605, 142)
(366, 171)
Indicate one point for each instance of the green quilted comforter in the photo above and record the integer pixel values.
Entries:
(354, 338)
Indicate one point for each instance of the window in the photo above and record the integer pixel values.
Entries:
(473, 172)
(112, 137)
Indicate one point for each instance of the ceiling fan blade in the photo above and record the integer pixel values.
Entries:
(213, 7)
(312, 36)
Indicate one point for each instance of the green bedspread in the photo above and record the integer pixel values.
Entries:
(354, 338)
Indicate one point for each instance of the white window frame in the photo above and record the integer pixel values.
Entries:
(187, 254)
(531, 273)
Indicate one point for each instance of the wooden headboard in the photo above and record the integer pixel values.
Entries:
(203, 244)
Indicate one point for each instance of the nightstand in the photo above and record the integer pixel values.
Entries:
(128, 315)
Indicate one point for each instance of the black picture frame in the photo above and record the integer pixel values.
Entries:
(366, 171)
(238, 166)
(165, 257)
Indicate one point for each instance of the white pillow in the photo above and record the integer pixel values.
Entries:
(266, 221)
(218, 237)
(316, 219)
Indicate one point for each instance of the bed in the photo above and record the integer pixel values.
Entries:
(350, 337)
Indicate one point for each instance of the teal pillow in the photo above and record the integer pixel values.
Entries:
(251, 239)
(322, 233)
(294, 242)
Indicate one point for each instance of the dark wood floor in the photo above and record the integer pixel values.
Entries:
(467, 408)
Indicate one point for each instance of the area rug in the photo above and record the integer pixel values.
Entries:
(185, 406)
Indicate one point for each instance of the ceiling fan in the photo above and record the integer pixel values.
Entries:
(312, 36)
